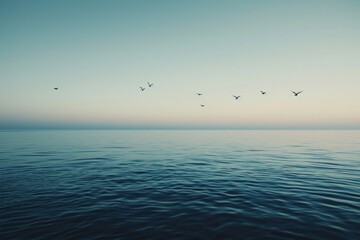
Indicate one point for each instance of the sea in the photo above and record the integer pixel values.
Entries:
(177, 184)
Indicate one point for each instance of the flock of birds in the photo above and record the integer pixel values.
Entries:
(199, 94)
(262, 92)
(235, 96)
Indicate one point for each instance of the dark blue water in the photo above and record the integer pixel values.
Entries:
(180, 185)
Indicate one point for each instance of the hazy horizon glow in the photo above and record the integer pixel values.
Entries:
(99, 52)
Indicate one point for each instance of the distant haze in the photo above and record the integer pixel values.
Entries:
(99, 53)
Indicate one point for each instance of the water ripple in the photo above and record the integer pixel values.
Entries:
(179, 185)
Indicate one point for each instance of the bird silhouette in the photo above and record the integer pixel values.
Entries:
(202, 105)
(150, 84)
(142, 89)
(199, 94)
(296, 93)
(56, 88)
(262, 92)
(236, 97)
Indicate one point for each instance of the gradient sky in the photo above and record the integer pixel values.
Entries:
(99, 52)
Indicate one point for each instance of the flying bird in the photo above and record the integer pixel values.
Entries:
(199, 94)
(296, 93)
(150, 84)
(142, 89)
(262, 92)
(202, 105)
(56, 88)
(236, 97)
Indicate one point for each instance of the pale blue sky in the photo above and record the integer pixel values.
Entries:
(99, 52)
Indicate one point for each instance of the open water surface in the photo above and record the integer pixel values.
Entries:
(180, 185)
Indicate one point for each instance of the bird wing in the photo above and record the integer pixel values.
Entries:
(299, 92)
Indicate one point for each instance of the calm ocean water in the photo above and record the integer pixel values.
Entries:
(180, 185)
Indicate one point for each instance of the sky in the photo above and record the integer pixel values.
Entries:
(98, 53)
